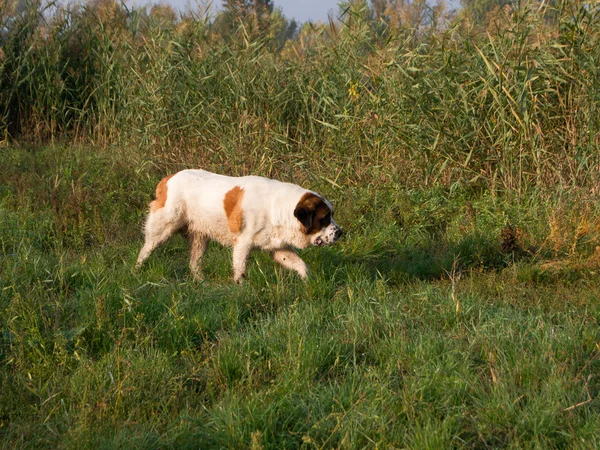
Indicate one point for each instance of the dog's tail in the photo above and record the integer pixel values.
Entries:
(161, 194)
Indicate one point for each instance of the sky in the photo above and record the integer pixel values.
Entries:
(301, 10)
(304, 10)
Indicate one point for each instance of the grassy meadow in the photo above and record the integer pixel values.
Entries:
(460, 309)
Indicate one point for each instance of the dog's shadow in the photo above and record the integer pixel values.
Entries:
(395, 262)
(398, 263)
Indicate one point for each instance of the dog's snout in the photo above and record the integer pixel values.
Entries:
(338, 233)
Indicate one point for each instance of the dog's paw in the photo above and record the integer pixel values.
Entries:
(239, 279)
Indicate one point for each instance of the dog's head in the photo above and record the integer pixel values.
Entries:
(315, 215)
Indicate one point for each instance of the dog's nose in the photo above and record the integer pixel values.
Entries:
(338, 233)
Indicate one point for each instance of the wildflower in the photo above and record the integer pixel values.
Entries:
(352, 91)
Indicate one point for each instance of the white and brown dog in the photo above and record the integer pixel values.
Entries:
(243, 213)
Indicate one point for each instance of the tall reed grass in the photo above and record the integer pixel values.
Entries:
(512, 104)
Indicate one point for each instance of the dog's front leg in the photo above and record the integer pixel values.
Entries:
(289, 259)
(241, 250)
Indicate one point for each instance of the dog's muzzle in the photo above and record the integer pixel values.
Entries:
(338, 234)
(329, 238)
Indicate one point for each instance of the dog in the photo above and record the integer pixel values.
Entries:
(244, 213)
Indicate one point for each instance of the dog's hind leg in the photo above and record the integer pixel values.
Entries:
(160, 226)
(198, 245)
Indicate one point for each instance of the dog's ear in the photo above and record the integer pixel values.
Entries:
(305, 210)
(305, 216)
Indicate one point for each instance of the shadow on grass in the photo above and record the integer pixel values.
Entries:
(430, 261)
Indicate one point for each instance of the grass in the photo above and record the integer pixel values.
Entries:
(417, 331)
(459, 311)
(506, 105)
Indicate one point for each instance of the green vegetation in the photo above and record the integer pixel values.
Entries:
(459, 311)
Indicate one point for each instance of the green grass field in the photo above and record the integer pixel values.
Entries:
(428, 326)
(462, 154)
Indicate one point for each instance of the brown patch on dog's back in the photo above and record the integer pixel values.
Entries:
(310, 210)
(161, 194)
(232, 203)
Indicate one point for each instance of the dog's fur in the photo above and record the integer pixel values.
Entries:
(243, 213)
